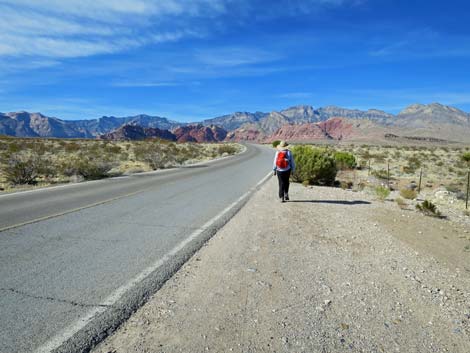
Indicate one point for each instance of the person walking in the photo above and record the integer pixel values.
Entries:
(283, 166)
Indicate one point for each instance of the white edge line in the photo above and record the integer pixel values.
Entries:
(159, 171)
(71, 330)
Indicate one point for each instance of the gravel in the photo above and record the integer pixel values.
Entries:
(330, 271)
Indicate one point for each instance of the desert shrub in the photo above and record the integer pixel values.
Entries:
(124, 156)
(380, 174)
(345, 160)
(453, 187)
(408, 194)
(276, 143)
(22, 168)
(465, 157)
(88, 168)
(428, 208)
(346, 184)
(156, 156)
(400, 202)
(414, 163)
(226, 149)
(379, 157)
(14, 147)
(314, 165)
(381, 192)
(113, 149)
(72, 147)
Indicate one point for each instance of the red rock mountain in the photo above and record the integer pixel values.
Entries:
(137, 132)
(200, 133)
(331, 129)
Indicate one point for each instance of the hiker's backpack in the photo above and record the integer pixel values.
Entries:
(282, 161)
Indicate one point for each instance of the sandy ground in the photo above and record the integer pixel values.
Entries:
(330, 271)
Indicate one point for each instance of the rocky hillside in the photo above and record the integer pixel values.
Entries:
(24, 124)
(137, 132)
(200, 133)
(234, 121)
(434, 121)
(331, 129)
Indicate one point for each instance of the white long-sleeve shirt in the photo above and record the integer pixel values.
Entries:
(291, 162)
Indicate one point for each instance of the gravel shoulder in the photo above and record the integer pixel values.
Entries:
(330, 271)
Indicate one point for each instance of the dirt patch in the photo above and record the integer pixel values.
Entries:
(447, 242)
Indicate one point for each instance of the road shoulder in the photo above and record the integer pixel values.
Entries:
(317, 274)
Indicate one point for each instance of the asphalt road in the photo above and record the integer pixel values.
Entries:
(75, 261)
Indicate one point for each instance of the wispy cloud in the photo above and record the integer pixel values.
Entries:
(78, 28)
(235, 56)
(296, 95)
(147, 84)
(424, 43)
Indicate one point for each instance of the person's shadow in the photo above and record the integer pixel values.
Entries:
(337, 202)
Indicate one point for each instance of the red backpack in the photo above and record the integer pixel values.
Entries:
(282, 161)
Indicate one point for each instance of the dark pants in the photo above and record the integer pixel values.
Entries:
(283, 178)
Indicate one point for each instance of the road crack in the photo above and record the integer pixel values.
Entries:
(70, 302)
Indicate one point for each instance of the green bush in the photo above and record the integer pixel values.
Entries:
(382, 192)
(345, 160)
(408, 194)
(276, 143)
(466, 157)
(313, 165)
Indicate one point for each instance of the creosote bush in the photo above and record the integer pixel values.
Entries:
(408, 194)
(227, 149)
(382, 192)
(88, 168)
(314, 165)
(23, 169)
(345, 160)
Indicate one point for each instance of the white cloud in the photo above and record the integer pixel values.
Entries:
(77, 28)
(234, 56)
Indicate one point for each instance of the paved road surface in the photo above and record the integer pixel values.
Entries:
(84, 256)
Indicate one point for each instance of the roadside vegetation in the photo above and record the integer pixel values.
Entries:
(409, 175)
(40, 162)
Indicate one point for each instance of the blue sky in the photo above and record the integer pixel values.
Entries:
(194, 59)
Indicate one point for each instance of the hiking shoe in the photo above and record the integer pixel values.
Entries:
(286, 197)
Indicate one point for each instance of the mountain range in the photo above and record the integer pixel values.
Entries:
(299, 123)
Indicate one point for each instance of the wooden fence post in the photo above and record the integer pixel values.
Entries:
(420, 177)
(388, 174)
(468, 187)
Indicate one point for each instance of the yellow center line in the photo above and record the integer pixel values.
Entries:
(69, 211)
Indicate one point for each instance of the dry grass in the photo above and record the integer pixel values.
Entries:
(443, 168)
(66, 160)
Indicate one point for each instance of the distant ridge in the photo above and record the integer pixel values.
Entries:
(434, 121)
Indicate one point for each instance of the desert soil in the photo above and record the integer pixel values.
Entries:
(330, 271)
